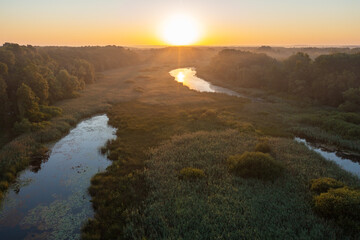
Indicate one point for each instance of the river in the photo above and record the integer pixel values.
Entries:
(187, 76)
(51, 201)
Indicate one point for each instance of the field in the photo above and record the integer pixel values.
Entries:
(163, 128)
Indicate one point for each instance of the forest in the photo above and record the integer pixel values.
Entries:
(331, 79)
(186, 164)
(32, 79)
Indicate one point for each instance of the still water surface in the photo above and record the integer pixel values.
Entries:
(347, 164)
(187, 76)
(52, 202)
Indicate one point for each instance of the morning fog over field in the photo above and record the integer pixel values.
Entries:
(179, 119)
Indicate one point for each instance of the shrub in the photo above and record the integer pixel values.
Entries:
(263, 147)
(191, 173)
(322, 185)
(9, 176)
(4, 185)
(23, 126)
(50, 111)
(255, 165)
(342, 204)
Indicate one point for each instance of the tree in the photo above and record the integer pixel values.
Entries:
(28, 103)
(299, 72)
(84, 71)
(7, 57)
(69, 83)
(4, 101)
(352, 100)
(36, 82)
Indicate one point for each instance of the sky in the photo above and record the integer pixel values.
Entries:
(221, 22)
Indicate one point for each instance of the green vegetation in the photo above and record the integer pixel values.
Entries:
(170, 176)
(336, 201)
(32, 80)
(263, 147)
(142, 196)
(191, 174)
(322, 185)
(122, 189)
(255, 165)
(332, 80)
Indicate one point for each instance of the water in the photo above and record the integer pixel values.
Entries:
(52, 202)
(346, 164)
(187, 76)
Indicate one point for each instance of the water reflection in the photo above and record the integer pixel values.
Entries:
(187, 76)
(346, 164)
(51, 201)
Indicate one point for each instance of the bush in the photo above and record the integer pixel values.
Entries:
(322, 185)
(23, 126)
(263, 147)
(9, 176)
(191, 174)
(50, 111)
(4, 185)
(342, 204)
(255, 165)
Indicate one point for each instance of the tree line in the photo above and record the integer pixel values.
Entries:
(332, 79)
(33, 78)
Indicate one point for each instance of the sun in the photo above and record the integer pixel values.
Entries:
(180, 30)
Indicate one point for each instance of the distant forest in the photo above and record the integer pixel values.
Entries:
(33, 78)
(332, 79)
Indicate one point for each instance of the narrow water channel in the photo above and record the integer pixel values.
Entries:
(347, 164)
(52, 202)
(187, 76)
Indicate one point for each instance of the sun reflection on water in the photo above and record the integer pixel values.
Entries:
(180, 77)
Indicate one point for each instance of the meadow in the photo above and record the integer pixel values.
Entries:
(169, 128)
(170, 176)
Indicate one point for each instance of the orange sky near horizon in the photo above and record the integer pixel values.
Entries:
(227, 22)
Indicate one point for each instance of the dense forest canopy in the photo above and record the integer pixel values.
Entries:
(332, 79)
(33, 78)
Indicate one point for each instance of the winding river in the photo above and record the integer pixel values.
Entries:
(51, 201)
(187, 76)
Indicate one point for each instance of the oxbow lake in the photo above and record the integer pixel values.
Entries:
(51, 201)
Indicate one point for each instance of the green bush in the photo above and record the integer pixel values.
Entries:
(4, 185)
(50, 111)
(322, 185)
(263, 147)
(23, 126)
(191, 173)
(255, 165)
(342, 204)
(9, 176)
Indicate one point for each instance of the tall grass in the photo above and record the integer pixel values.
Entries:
(224, 206)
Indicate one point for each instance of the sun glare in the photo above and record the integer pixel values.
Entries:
(180, 77)
(180, 30)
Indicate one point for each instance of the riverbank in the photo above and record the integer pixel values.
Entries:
(174, 127)
(322, 125)
(50, 200)
(97, 98)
